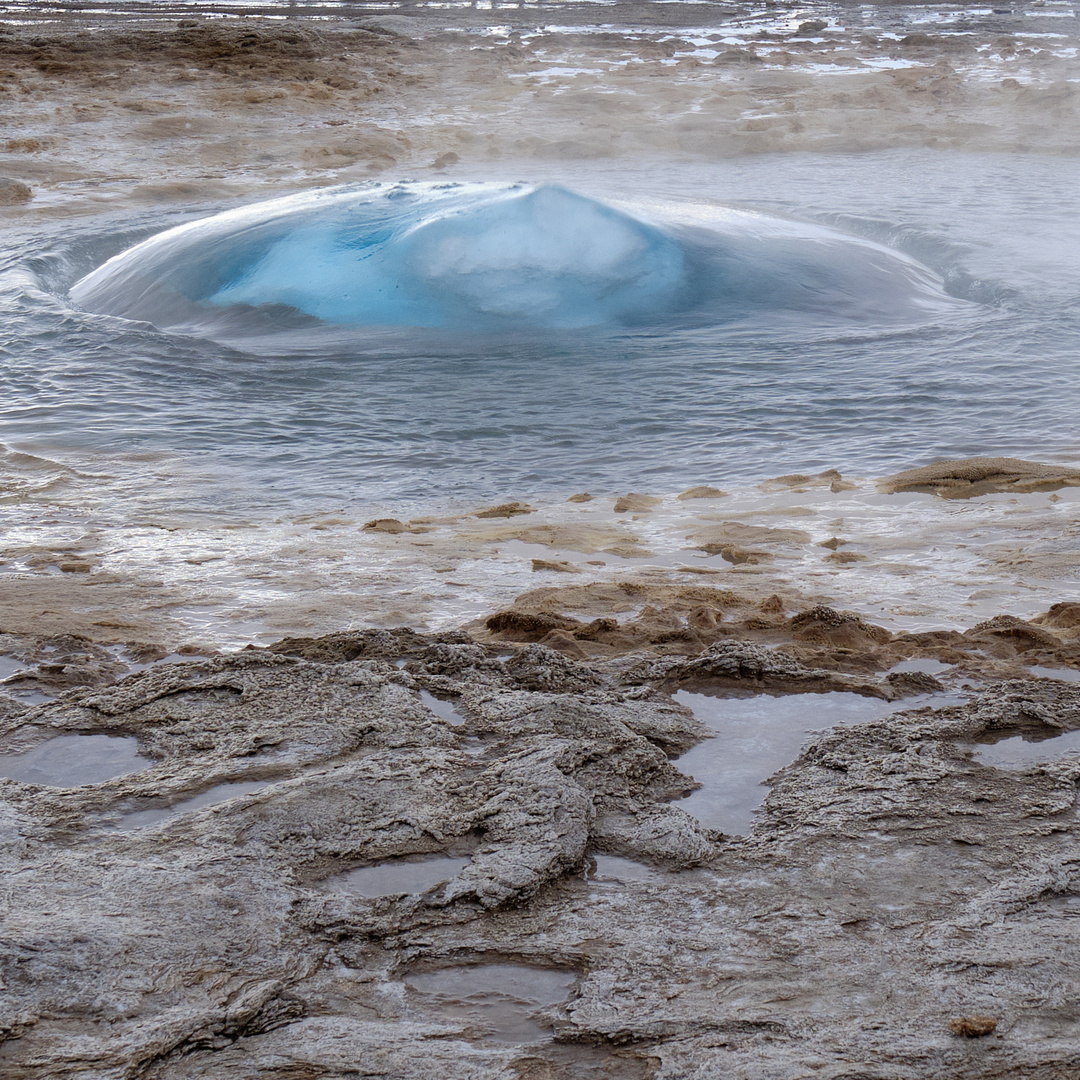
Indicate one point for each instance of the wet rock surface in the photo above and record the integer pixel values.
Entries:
(679, 633)
(12, 192)
(222, 940)
(969, 477)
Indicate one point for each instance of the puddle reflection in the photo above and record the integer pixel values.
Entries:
(73, 760)
(1017, 752)
(1062, 674)
(499, 1001)
(140, 819)
(923, 666)
(617, 869)
(442, 707)
(755, 736)
(403, 876)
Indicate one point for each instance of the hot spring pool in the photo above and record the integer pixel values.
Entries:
(213, 400)
(743, 319)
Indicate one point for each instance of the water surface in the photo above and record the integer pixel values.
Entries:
(755, 736)
(141, 819)
(409, 417)
(73, 760)
(499, 1001)
(442, 707)
(1017, 752)
(403, 876)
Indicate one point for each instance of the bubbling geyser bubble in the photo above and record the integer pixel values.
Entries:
(494, 257)
(547, 258)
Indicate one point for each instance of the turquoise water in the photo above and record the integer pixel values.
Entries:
(332, 271)
(288, 410)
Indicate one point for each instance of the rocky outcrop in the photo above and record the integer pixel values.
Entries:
(222, 941)
(747, 665)
(965, 477)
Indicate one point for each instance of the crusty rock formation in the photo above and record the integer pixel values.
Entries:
(966, 477)
(895, 888)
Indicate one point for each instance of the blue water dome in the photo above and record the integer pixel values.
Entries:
(545, 258)
(453, 259)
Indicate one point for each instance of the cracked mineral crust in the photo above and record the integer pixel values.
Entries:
(894, 888)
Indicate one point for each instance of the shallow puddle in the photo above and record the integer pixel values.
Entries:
(9, 666)
(1017, 752)
(925, 666)
(403, 876)
(755, 736)
(24, 693)
(473, 745)
(447, 709)
(497, 1001)
(140, 819)
(1067, 907)
(442, 707)
(1063, 674)
(616, 869)
(73, 760)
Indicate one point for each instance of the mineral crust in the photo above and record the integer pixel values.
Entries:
(896, 894)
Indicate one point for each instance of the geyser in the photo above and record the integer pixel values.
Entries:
(488, 257)
(545, 258)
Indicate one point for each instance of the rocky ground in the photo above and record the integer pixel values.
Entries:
(170, 105)
(901, 909)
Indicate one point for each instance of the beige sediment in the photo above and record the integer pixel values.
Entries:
(966, 477)
(799, 482)
(635, 502)
(702, 491)
(583, 537)
(212, 109)
(506, 510)
(904, 560)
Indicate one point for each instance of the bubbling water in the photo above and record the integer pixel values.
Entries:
(546, 258)
(497, 258)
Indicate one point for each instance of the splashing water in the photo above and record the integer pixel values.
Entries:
(546, 258)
